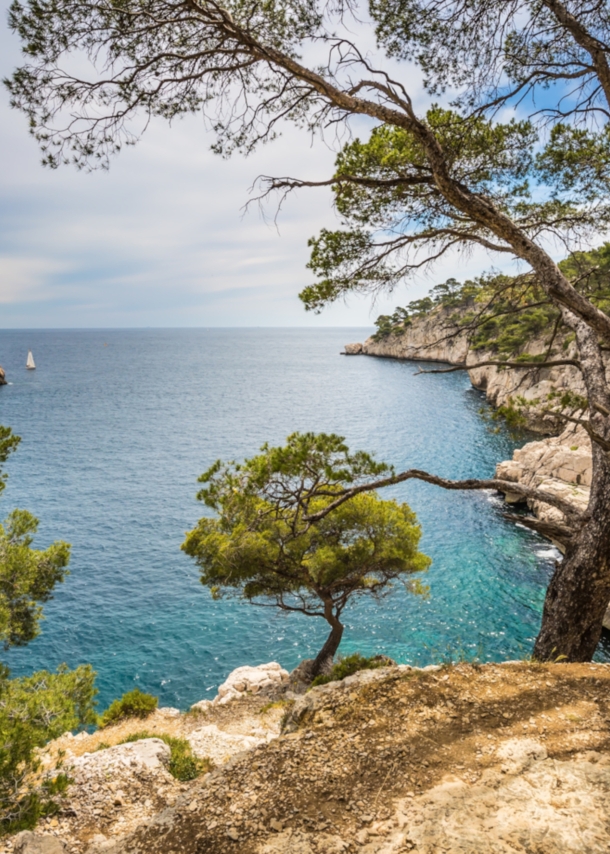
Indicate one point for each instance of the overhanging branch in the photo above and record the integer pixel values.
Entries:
(554, 364)
(526, 492)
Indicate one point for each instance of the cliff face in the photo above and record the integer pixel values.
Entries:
(437, 337)
(560, 464)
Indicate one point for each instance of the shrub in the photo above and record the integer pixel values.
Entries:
(33, 710)
(134, 704)
(183, 765)
(351, 664)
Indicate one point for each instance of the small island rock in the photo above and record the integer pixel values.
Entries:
(2, 377)
(353, 349)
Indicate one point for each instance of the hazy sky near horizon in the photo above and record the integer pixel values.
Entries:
(162, 239)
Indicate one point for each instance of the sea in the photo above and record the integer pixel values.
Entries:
(116, 427)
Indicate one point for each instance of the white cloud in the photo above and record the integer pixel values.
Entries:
(162, 238)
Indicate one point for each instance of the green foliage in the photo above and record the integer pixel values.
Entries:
(513, 412)
(37, 708)
(133, 704)
(8, 444)
(27, 578)
(450, 295)
(33, 710)
(183, 764)
(383, 186)
(503, 314)
(347, 666)
(275, 539)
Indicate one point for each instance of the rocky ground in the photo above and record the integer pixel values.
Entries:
(117, 787)
(494, 758)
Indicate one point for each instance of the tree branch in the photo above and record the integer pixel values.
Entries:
(527, 365)
(526, 492)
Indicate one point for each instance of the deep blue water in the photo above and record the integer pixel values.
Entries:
(116, 426)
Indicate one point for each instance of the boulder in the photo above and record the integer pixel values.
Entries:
(264, 678)
(2, 377)
(149, 754)
(27, 842)
(353, 349)
(219, 746)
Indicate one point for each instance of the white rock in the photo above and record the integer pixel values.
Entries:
(250, 680)
(151, 754)
(521, 752)
(215, 744)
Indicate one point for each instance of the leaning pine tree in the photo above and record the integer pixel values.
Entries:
(281, 539)
(463, 174)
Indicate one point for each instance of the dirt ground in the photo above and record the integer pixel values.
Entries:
(366, 765)
(501, 759)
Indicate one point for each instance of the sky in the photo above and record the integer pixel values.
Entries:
(162, 239)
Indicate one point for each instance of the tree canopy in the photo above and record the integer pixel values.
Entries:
(277, 539)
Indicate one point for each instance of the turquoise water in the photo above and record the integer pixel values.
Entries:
(116, 427)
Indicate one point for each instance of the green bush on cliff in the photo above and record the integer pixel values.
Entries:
(133, 704)
(506, 312)
(183, 764)
(348, 666)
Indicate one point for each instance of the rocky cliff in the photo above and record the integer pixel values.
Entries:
(507, 758)
(561, 464)
(438, 337)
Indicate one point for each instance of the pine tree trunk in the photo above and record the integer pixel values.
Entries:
(324, 659)
(579, 591)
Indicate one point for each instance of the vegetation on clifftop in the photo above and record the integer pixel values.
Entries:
(500, 313)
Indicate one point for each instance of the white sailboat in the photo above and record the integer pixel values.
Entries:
(30, 365)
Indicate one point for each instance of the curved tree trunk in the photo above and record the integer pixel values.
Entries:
(579, 591)
(324, 659)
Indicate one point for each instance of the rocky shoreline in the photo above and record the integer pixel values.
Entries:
(562, 463)
(559, 464)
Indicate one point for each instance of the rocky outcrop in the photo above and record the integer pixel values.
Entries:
(117, 786)
(264, 678)
(353, 350)
(560, 465)
(510, 758)
(2, 377)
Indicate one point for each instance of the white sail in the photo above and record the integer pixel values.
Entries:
(30, 362)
